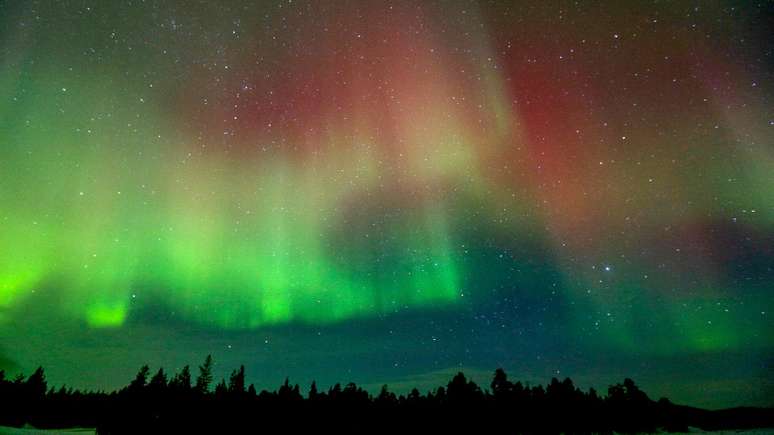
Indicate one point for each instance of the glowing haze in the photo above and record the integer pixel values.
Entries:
(511, 180)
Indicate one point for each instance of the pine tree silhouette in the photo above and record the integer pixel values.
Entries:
(205, 375)
(138, 384)
(236, 383)
(164, 405)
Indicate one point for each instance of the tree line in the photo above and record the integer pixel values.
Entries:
(164, 402)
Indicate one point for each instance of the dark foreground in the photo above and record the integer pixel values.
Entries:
(181, 405)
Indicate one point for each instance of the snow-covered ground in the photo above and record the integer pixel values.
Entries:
(4, 430)
(83, 431)
(738, 432)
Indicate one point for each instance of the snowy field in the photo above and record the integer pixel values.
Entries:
(83, 431)
(4, 430)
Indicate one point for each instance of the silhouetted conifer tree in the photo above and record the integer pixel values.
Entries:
(386, 397)
(35, 385)
(221, 389)
(461, 390)
(158, 382)
(204, 379)
(181, 382)
(236, 383)
(501, 386)
(140, 380)
(161, 406)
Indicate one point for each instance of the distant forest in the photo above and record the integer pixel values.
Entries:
(180, 403)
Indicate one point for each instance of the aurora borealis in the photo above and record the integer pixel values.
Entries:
(387, 191)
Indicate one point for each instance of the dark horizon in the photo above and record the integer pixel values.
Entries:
(160, 401)
(423, 382)
(707, 380)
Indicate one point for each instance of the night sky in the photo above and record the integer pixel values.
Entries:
(390, 192)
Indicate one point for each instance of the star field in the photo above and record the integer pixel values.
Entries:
(391, 191)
